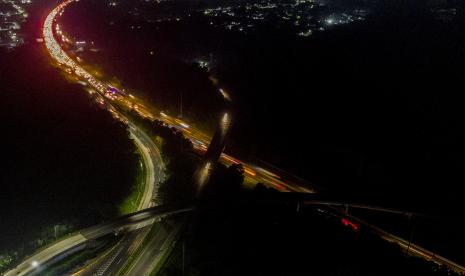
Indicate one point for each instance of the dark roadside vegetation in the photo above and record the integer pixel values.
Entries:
(238, 232)
(66, 163)
(179, 157)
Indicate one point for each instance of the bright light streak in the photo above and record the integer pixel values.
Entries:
(347, 222)
(277, 185)
(267, 172)
(181, 123)
(225, 119)
(249, 171)
(201, 148)
(230, 159)
(224, 94)
(204, 175)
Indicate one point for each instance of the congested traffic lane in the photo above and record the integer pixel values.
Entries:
(285, 182)
(149, 152)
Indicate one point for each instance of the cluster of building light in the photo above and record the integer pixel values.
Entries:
(204, 64)
(444, 12)
(342, 18)
(306, 16)
(10, 22)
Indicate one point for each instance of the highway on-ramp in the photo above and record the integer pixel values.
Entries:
(39, 260)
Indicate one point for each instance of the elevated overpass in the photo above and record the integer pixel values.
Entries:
(35, 263)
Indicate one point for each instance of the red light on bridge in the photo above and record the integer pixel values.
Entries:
(347, 222)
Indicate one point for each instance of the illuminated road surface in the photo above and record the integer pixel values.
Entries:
(156, 248)
(413, 249)
(154, 166)
(34, 264)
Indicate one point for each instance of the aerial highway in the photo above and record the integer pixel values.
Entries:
(156, 249)
(414, 249)
(151, 157)
(149, 152)
(35, 263)
(153, 163)
(113, 99)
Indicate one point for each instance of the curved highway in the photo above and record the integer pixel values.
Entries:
(151, 157)
(154, 166)
(35, 263)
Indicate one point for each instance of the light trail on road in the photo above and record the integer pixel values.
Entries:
(199, 139)
(148, 151)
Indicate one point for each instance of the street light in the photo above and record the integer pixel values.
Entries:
(35, 264)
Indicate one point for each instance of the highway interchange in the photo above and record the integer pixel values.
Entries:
(153, 163)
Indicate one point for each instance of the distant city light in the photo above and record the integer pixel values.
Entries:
(244, 17)
(306, 34)
(11, 23)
